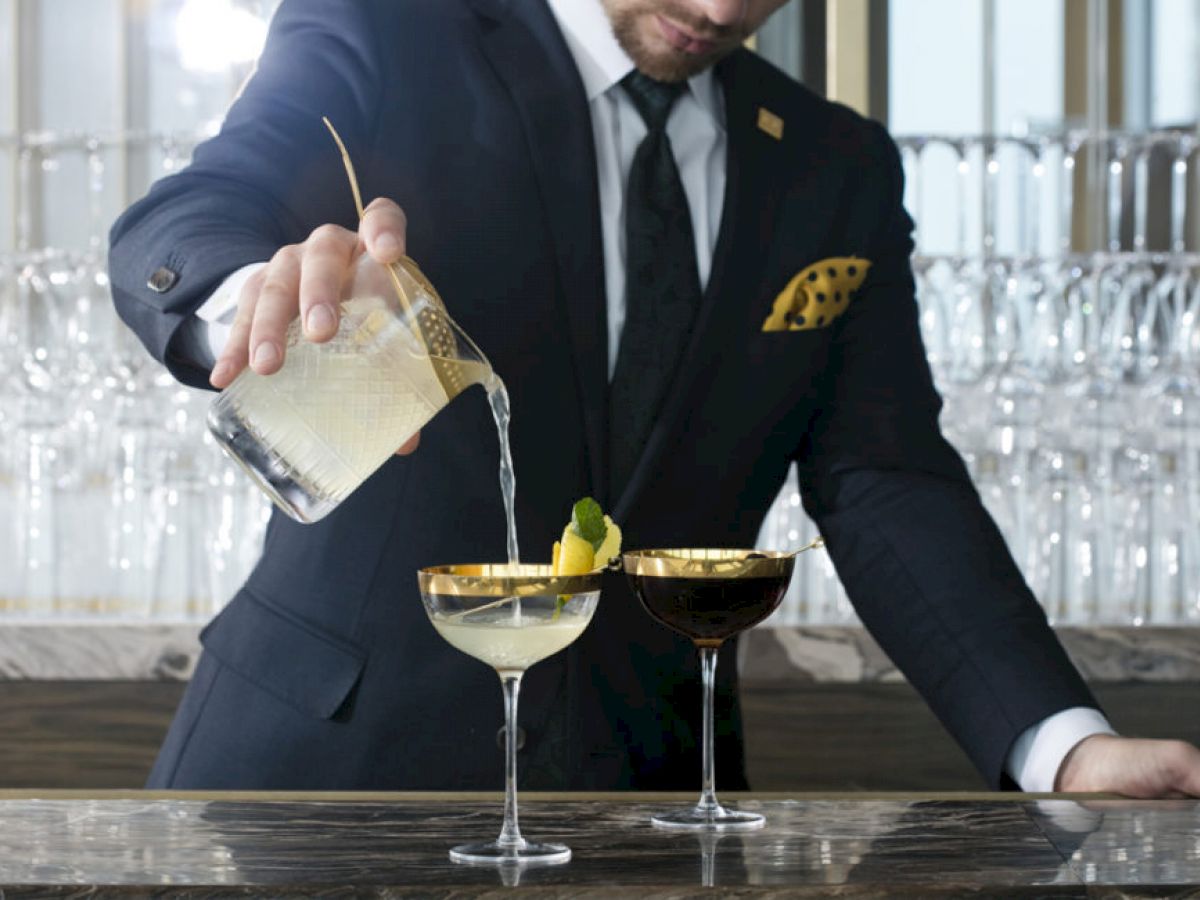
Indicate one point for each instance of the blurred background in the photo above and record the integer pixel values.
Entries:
(1050, 148)
(114, 503)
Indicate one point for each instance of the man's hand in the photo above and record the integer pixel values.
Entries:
(1134, 767)
(306, 280)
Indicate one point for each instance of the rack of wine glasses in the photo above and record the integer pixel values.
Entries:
(68, 187)
(1071, 380)
(113, 500)
(114, 503)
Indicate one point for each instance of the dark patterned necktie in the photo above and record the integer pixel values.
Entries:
(662, 284)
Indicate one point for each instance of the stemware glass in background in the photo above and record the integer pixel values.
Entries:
(1024, 335)
(11, 478)
(1173, 543)
(815, 594)
(509, 617)
(1169, 416)
(84, 533)
(85, 583)
(958, 325)
(235, 517)
(821, 592)
(91, 440)
(1071, 571)
(180, 507)
(708, 596)
(1185, 147)
(42, 398)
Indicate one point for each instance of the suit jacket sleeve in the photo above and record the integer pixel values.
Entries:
(921, 559)
(270, 176)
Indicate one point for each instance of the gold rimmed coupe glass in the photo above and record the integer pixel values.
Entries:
(708, 596)
(509, 617)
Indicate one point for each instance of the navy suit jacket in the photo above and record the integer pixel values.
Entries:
(323, 672)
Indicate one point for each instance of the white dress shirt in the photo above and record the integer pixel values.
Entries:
(696, 128)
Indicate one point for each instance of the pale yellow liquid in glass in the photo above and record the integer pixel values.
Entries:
(311, 433)
(338, 410)
(493, 638)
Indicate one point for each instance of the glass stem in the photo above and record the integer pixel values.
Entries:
(708, 673)
(510, 834)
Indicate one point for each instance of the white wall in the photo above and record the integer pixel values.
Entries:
(1029, 65)
(84, 94)
(936, 87)
(8, 89)
(1175, 63)
(95, 71)
(935, 74)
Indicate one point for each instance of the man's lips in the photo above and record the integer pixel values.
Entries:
(681, 40)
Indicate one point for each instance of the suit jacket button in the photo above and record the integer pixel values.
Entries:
(520, 737)
(162, 280)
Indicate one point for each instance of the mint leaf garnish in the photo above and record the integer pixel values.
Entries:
(587, 521)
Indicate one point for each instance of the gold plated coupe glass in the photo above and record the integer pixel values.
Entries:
(510, 617)
(708, 596)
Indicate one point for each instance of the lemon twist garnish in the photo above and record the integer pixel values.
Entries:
(588, 542)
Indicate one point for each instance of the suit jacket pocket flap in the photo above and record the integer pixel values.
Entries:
(297, 663)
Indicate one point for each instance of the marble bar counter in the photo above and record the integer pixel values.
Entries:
(812, 654)
(395, 845)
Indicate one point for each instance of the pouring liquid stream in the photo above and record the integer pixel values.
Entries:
(497, 396)
(498, 400)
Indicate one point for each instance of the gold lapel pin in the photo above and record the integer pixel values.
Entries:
(770, 123)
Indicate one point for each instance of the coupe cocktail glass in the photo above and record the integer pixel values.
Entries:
(709, 596)
(510, 617)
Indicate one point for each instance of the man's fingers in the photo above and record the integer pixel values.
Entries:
(1185, 766)
(410, 445)
(1136, 767)
(236, 354)
(304, 280)
(278, 303)
(327, 255)
(384, 230)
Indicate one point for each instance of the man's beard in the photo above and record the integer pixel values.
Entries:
(676, 66)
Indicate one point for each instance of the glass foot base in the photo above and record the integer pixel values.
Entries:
(279, 481)
(715, 819)
(527, 853)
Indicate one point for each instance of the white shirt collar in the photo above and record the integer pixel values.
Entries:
(602, 62)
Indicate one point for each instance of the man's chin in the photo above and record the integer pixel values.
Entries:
(642, 38)
(673, 65)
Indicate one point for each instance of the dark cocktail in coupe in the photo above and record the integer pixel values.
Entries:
(709, 596)
(710, 611)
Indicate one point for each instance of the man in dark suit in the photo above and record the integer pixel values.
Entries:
(691, 272)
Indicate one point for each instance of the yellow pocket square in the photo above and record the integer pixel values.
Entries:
(817, 294)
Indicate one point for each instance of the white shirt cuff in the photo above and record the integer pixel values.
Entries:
(1036, 756)
(221, 306)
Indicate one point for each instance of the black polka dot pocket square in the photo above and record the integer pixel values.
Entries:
(817, 294)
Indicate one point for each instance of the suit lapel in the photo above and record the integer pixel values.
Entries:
(753, 159)
(525, 48)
